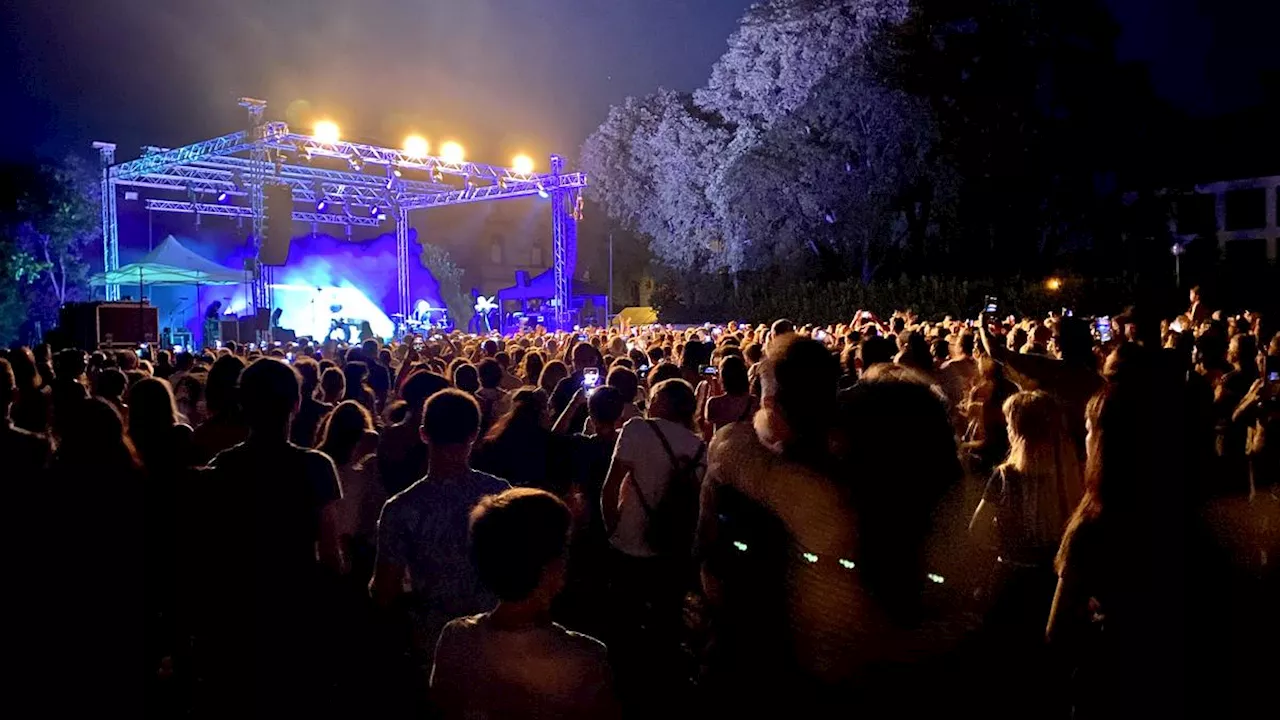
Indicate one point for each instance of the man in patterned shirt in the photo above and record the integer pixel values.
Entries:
(422, 534)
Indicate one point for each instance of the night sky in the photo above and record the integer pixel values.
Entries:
(501, 76)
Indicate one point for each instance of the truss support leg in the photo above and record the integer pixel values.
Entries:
(402, 260)
(560, 222)
(110, 226)
(255, 179)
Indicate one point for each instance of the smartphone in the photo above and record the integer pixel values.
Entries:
(1103, 325)
(1068, 312)
(643, 372)
(437, 338)
(219, 344)
(1176, 325)
(992, 304)
(582, 337)
(178, 349)
(276, 343)
(715, 331)
(710, 370)
(820, 335)
(1273, 376)
(590, 377)
(418, 345)
(288, 356)
(253, 346)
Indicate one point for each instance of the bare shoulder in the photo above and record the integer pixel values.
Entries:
(583, 647)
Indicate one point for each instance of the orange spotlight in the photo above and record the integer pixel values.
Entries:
(522, 164)
(416, 147)
(326, 131)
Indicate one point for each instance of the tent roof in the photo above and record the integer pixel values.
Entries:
(171, 263)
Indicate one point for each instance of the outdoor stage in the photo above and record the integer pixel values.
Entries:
(278, 181)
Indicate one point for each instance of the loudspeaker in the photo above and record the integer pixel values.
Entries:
(89, 325)
(279, 231)
(228, 330)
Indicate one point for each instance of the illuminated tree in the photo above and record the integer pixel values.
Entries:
(448, 276)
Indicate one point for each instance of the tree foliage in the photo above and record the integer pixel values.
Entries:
(857, 137)
(50, 232)
(795, 155)
(448, 276)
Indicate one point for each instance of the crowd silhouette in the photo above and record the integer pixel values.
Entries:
(1023, 517)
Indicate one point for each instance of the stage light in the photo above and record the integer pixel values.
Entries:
(416, 147)
(356, 163)
(320, 206)
(542, 192)
(222, 196)
(326, 131)
(375, 211)
(522, 164)
(1053, 284)
(452, 152)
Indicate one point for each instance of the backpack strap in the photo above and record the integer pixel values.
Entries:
(675, 461)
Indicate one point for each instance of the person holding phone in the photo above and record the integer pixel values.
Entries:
(584, 357)
(732, 401)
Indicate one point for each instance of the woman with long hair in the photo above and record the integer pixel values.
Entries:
(1032, 494)
(1120, 608)
(348, 438)
(734, 403)
(552, 373)
(96, 487)
(1023, 512)
(163, 442)
(521, 448)
(531, 368)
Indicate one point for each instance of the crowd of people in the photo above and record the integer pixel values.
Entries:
(1029, 517)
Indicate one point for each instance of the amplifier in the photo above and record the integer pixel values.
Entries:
(88, 325)
(128, 323)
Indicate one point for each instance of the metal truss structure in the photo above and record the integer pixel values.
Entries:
(334, 183)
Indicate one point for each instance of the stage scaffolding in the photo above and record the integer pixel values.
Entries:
(227, 177)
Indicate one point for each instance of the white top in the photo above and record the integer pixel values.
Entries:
(539, 671)
(641, 449)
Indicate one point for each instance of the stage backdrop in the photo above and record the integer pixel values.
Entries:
(322, 271)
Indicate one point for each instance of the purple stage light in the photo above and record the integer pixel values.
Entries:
(320, 206)
(222, 197)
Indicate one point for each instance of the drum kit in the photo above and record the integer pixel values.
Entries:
(426, 321)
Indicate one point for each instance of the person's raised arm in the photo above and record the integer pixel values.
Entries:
(1247, 409)
(565, 421)
(994, 349)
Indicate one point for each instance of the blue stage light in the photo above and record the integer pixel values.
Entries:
(222, 197)
(320, 206)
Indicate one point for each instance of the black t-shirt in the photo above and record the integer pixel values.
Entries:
(307, 421)
(279, 490)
